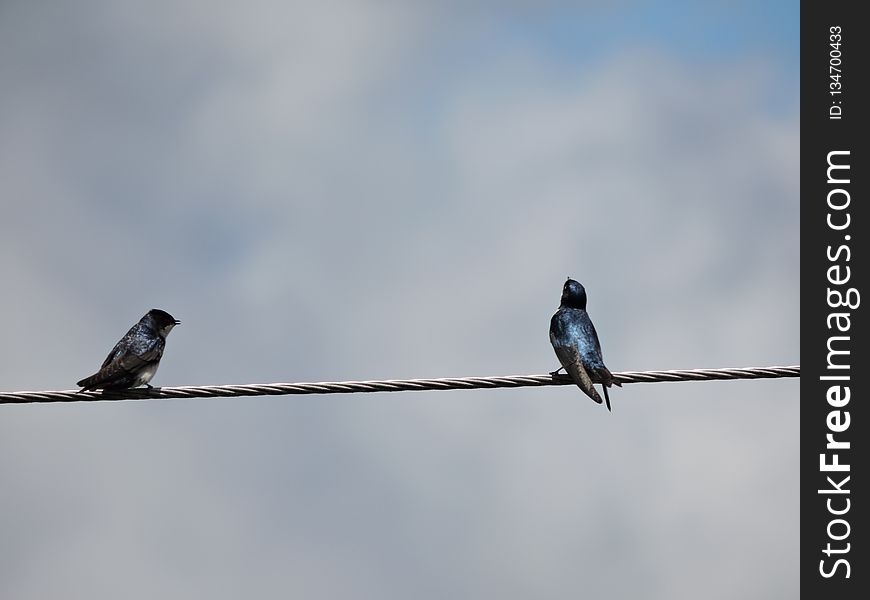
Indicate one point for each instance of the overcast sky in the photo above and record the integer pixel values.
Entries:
(364, 190)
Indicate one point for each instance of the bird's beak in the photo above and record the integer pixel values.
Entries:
(177, 322)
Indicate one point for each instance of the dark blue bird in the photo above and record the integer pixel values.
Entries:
(134, 360)
(576, 343)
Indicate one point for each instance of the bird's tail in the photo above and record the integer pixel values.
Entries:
(607, 398)
(608, 377)
(88, 382)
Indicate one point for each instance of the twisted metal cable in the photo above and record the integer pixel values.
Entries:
(391, 385)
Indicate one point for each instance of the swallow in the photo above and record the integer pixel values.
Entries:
(135, 358)
(576, 343)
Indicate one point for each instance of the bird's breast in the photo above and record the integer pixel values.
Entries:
(145, 375)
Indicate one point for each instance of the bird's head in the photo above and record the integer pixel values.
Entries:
(573, 294)
(161, 320)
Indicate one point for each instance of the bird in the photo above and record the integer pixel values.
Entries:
(135, 358)
(575, 341)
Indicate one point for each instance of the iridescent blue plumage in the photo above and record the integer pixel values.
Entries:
(575, 341)
(135, 358)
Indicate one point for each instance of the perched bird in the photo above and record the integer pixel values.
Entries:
(576, 343)
(134, 360)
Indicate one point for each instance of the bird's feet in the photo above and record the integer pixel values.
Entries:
(556, 372)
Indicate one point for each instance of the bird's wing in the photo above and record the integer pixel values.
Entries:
(121, 362)
(569, 356)
(595, 359)
(587, 332)
(114, 354)
(124, 345)
(141, 355)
